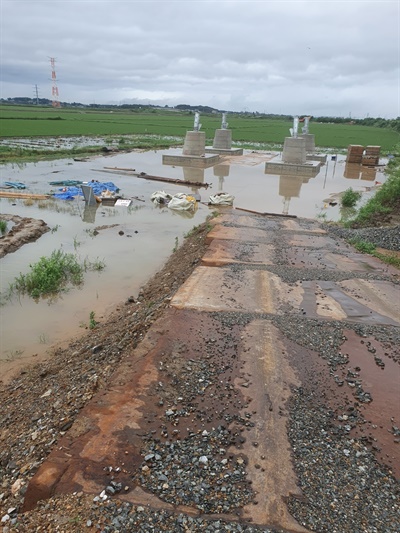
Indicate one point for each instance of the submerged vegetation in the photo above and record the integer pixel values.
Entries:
(51, 275)
(10, 153)
(350, 198)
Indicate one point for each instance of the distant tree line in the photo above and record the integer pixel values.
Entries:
(393, 124)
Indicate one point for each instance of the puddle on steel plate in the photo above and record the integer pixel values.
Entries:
(28, 328)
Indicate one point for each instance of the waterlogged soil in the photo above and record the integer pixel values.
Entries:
(23, 231)
(49, 395)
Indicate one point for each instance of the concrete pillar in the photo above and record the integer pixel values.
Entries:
(222, 140)
(294, 150)
(195, 143)
(310, 142)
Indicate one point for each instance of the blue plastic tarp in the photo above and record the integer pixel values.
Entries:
(68, 193)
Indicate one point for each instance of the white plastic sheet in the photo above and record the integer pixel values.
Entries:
(182, 202)
(221, 198)
(160, 197)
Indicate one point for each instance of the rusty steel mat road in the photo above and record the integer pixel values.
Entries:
(276, 306)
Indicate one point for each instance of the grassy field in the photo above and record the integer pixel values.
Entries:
(21, 121)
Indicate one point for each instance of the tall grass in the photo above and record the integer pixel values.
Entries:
(3, 226)
(385, 201)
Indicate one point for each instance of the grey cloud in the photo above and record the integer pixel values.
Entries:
(329, 57)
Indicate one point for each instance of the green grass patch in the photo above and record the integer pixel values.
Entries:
(350, 198)
(363, 246)
(52, 275)
(385, 201)
(3, 226)
(92, 321)
(366, 247)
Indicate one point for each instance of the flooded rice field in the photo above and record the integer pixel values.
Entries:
(135, 241)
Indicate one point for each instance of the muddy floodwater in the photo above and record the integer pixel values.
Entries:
(135, 241)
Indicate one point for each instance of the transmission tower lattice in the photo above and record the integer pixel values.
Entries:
(54, 89)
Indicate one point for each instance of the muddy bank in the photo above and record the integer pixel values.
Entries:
(73, 375)
(23, 231)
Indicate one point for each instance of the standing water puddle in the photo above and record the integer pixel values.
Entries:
(150, 233)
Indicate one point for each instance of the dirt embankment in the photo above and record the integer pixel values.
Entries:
(23, 231)
(74, 374)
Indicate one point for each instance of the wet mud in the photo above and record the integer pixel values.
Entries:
(23, 231)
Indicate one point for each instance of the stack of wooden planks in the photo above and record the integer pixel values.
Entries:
(354, 153)
(23, 195)
(371, 155)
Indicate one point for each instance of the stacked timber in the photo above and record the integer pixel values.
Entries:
(371, 156)
(354, 153)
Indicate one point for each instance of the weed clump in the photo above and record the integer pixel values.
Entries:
(50, 275)
(350, 198)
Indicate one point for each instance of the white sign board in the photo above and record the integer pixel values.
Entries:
(126, 203)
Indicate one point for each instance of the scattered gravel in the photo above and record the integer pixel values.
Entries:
(198, 471)
(384, 237)
(344, 487)
(79, 513)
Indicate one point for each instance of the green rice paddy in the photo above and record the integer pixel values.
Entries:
(20, 121)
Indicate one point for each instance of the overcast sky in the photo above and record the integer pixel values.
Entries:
(333, 58)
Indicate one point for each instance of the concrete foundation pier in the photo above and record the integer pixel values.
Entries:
(223, 144)
(310, 142)
(222, 140)
(195, 143)
(294, 150)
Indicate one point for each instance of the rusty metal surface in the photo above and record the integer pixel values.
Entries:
(223, 252)
(256, 362)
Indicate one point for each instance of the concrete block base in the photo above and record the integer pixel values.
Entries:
(231, 151)
(310, 141)
(294, 150)
(204, 161)
(278, 168)
(222, 140)
(195, 142)
(317, 157)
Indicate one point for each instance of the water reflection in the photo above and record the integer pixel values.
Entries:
(89, 213)
(368, 174)
(290, 187)
(194, 175)
(221, 171)
(354, 171)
